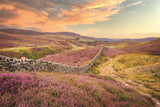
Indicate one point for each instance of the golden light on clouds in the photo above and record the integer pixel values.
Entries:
(89, 13)
(87, 17)
(6, 7)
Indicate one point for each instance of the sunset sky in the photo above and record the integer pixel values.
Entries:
(96, 18)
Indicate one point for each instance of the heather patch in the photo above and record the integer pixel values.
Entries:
(55, 89)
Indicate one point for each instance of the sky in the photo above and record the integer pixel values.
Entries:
(96, 18)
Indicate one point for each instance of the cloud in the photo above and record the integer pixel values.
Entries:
(100, 10)
(132, 12)
(54, 15)
(134, 4)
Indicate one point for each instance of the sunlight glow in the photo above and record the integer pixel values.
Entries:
(159, 12)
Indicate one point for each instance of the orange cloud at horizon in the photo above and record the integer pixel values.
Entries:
(98, 10)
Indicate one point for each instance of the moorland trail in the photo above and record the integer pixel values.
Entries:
(106, 69)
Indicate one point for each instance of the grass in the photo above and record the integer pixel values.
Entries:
(119, 46)
(140, 71)
(138, 44)
(28, 52)
(123, 44)
(75, 47)
(39, 53)
(95, 68)
(66, 90)
(16, 49)
(145, 78)
(133, 60)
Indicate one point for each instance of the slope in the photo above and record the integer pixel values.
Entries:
(150, 47)
(66, 90)
(31, 44)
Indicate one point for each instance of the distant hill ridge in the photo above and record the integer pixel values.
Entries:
(140, 40)
(34, 33)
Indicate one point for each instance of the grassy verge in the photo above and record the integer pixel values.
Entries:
(140, 71)
(31, 53)
(133, 60)
(39, 53)
(95, 68)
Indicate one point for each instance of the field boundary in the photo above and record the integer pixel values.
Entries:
(14, 64)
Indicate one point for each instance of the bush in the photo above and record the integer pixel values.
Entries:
(15, 82)
(42, 89)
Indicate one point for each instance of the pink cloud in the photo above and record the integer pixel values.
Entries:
(133, 4)
(85, 13)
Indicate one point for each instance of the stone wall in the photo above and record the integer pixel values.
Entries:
(13, 64)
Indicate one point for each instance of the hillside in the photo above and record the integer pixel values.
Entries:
(80, 57)
(122, 44)
(140, 71)
(35, 45)
(36, 33)
(140, 40)
(150, 47)
(54, 89)
(73, 58)
(125, 74)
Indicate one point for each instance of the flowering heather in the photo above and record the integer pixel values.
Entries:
(108, 52)
(69, 90)
(73, 58)
(12, 82)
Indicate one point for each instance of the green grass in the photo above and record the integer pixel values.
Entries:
(15, 49)
(148, 77)
(136, 45)
(141, 71)
(28, 52)
(39, 53)
(133, 60)
(119, 46)
(22, 48)
(95, 68)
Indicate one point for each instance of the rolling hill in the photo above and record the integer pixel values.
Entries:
(126, 74)
(149, 47)
(32, 44)
(141, 40)
(66, 90)
(36, 33)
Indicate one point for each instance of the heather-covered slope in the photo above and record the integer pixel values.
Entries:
(53, 89)
(35, 45)
(80, 57)
(73, 58)
(150, 47)
(108, 52)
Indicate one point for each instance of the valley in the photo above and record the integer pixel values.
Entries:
(127, 73)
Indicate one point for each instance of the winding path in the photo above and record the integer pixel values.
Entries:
(106, 69)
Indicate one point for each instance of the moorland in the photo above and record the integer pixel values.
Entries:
(126, 75)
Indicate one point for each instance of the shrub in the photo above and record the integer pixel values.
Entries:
(70, 90)
(14, 82)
